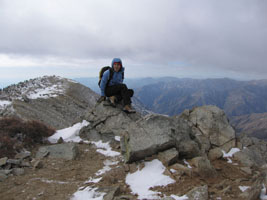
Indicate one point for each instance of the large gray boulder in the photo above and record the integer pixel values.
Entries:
(68, 151)
(212, 127)
(150, 135)
(253, 151)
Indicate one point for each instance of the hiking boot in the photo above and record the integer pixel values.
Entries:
(113, 100)
(128, 109)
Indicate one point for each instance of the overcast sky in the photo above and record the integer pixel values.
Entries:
(182, 38)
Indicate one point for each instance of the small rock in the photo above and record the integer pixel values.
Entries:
(42, 153)
(168, 157)
(227, 190)
(111, 192)
(133, 168)
(6, 172)
(215, 154)
(246, 170)
(200, 193)
(23, 155)
(181, 168)
(60, 140)
(167, 198)
(38, 165)
(3, 161)
(18, 171)
(204, 167)
(126, 168)
(14, 161)
(2, 177)
(125, 197)
(25, 164)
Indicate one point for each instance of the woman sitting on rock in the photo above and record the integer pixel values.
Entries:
(112, 86)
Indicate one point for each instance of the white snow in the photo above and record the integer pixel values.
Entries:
(46, 92)
(230, 153)
(4, 103)
(118, 138)
(105, 169)
(263, 195)
(179, 198)
(243, 188)
(150, 176)
(187, 163)
(93, 180)
(107, 164)
(105, 149)
(88, 193)
(70, 134)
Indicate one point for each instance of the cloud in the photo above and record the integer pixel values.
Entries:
(222, 36)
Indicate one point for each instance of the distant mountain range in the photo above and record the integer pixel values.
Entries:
(244, 102)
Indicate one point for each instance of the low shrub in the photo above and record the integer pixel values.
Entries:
(16, 134)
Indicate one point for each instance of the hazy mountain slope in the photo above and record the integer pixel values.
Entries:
(254, 124)
(235, 97)
(55, 101)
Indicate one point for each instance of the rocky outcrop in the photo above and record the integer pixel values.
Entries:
(55, 101)
(212, 123)
(191, 134)
(253, 151)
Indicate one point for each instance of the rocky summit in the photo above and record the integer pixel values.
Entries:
(196, 155)
(55, 101)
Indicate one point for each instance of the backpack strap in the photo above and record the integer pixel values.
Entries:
(111, 72)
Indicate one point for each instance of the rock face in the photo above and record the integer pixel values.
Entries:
(192, 135)
(212, 123)
(253, 151)
(55, 101)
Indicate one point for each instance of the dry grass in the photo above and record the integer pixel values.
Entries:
(16, 134)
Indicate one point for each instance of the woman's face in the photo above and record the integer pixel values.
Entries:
(116, 67)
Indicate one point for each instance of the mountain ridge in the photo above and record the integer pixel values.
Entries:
(198, 150)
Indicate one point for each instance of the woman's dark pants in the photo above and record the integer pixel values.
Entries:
(121, 92)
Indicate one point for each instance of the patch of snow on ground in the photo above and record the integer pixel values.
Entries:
(118, 138)
(93, 180)
(70, 134)
(106, 168)
(47, 92)
(179, 198)
(243, 188)
(4, 103)
(105, 149)
(263, 195)
(150, 176)
(230, 153)
(88, 193)
(187, 163)
(107, 164)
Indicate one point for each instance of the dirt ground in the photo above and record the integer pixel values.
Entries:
(60, 179)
